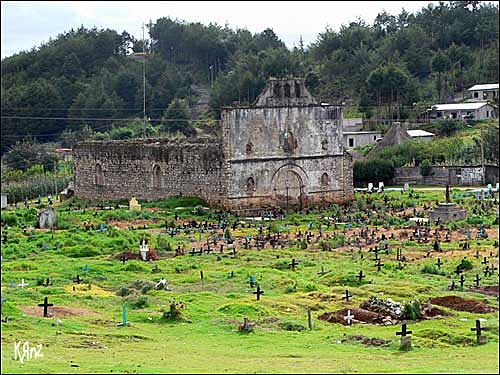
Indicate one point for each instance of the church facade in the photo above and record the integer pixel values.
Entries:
(286, 150)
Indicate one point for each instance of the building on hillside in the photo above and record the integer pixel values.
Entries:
(463, 111)
(483, 93)
(361, 138)
(420, 134)
(286, 150)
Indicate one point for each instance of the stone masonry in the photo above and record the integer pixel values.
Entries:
(286, 151)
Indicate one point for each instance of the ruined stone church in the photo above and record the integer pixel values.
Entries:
(285, 150)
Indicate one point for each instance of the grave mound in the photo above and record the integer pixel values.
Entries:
(462, 304)
(360, 315)
(489, 290)
(57, 311)
(368, 341)
(435, 312)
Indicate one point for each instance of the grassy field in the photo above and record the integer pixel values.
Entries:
(206, 338)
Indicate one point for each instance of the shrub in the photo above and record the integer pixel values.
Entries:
(425, 167)
(412, 311)
(433, 270)
(292, 326)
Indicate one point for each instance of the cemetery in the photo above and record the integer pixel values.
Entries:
(375, 285)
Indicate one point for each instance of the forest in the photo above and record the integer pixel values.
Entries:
(88, 83)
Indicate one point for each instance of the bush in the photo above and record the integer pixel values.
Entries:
(433, 270)
(291, 326)
(9, 219)
(412, 311)
(375, 169)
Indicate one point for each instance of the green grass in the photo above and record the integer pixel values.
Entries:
(207, 338)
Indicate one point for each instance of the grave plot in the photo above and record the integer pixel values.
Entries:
(58, 311)
(463, 304)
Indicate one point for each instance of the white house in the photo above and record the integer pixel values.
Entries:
(463, 111)
(420, 134)
(360, 138)
(482, 93)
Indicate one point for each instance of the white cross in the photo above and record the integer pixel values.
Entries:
(348, 318)
(23, 284)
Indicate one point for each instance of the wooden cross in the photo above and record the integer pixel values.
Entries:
(258, 292)
(348, 318)
(360, 276)
(23, 284)
(477, 255)
(439, 263)
(485, 261)
(45, 306)
(77, 279)
(479, 329)
(379, 265)
(462, 280)
(123, 259)
(293, 264)
(403, 332)
(47, 283)
(476, 280)
(193, 251)
(347, 295)
(487, 271)
(323, 272)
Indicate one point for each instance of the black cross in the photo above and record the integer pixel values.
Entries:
(487, 271)
(258, 292)
(123, 259)
(476, 280)
(493, 268)
(47, 283)
(477, 254)
(485, 261)
(77, 279)
(379, 265)
(439, 263)
(293, 264)
(201, 275)
(193, 251)
(403, 332)
(462, 280)
(323, 272)
(347, 295)
(360, 276)
(478, 329)
(45, 305)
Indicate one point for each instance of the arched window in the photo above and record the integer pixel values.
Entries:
(250, 187)
(287, 90)
(325, 180)
(249, 148)
(99, 175)
(297, 90)
(156, 177)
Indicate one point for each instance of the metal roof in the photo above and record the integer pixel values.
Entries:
(419, 133)
(458, 106)
(487, 86)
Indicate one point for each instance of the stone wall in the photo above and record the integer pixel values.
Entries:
(149, 171)
(453, 175)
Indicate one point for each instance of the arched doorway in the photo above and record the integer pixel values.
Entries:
(288, 189)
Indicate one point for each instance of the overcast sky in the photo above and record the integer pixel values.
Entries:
(27, 24)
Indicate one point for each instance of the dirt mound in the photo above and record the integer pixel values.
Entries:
(462, 304)
(57, 311)
(489, 290)
(369, 341)
(360, 316)
(435, 312)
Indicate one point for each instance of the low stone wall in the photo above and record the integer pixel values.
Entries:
(453, 175)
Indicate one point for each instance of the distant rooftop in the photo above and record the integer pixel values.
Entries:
(487, 86)
(459, 106)
(419, 133)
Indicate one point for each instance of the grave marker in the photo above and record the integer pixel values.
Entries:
(293, 264)
(347, 296)
(360, 276)
(23, 284)
(439, 263)
(45, 306)
(481, 339)
(476, 280)
(348, 318)
(258, 292)
(405, 340)
(124, 317)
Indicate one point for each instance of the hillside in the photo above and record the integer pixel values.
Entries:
(84, 83)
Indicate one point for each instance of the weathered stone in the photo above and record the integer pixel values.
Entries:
(285, 151)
